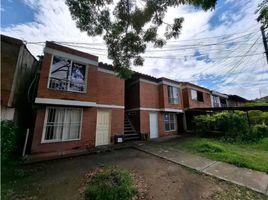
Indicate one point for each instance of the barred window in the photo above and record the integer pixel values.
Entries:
(62, 124)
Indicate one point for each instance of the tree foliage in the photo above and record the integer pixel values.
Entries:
(127, 28)
(263, 13)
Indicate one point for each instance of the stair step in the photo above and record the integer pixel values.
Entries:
(132, 138)
(129, 130)
(131, 134)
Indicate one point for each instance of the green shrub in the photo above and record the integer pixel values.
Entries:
(111, 185)
(8, 139)
(231, 126)
(259, 131)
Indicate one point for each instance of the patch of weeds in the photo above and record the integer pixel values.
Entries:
(209, 148)
(110, 184)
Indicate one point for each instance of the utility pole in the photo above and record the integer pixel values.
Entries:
(264, 39)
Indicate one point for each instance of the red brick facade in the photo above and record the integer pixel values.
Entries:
(103, 88)
(188, 102)
(151, 96)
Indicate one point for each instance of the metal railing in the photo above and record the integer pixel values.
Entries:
(65, 85)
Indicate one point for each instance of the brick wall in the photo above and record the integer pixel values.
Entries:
(145, 124)
(88, 131)
(110, 89)
(164, 103)
(189, 103)
(44, 92)
(149, 95)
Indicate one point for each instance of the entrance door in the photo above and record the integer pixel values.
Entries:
(103, 127)
(153, 125)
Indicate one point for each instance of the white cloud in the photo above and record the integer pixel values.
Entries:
(53, 22)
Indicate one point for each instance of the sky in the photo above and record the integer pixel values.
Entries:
(220, 49)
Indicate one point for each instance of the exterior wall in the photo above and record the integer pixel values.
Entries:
(18, 68)
(45, 92)
(7, 113)
(194, 103)
(9, 57)
(110, 89)
(103, 87)
(164, 103)
(88, 132)
(149, 95)
(145, 124)
(87, 138)
(118, 116)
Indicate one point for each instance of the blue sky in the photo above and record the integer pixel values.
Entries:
(219, 67)
(15, 12)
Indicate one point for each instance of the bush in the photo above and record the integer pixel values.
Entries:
(8, 139)
(259, 131)
(231, 126)
(111, 185)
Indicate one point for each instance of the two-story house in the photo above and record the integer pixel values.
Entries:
(80, 104)
(154, 105)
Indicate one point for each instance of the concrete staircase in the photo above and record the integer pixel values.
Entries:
(129, 131)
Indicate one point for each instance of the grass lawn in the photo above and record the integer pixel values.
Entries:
(253, 156)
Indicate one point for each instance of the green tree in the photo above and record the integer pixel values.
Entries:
(263, 13)
(127, 28)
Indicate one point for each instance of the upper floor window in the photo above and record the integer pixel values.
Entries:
(173, 95)
(67, 75)
(197, 95)
(216, 101)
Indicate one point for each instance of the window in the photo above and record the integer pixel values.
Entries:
(216, 101)
(173, 95)
(196, 95)
(62, 124)
(170, 122)
(223, 102)
(67, 75)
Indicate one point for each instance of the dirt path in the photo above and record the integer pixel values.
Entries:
(62, 179)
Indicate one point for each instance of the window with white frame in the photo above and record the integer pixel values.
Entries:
(173, 95)
(170, 121)
(194, 94)
(62, 124)
(67, 75)
(197, 95)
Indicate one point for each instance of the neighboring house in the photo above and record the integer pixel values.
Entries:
(80, 104)
(154, 105)
(218, 99)
(236, 101)
(195, 96)
(18, 69)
